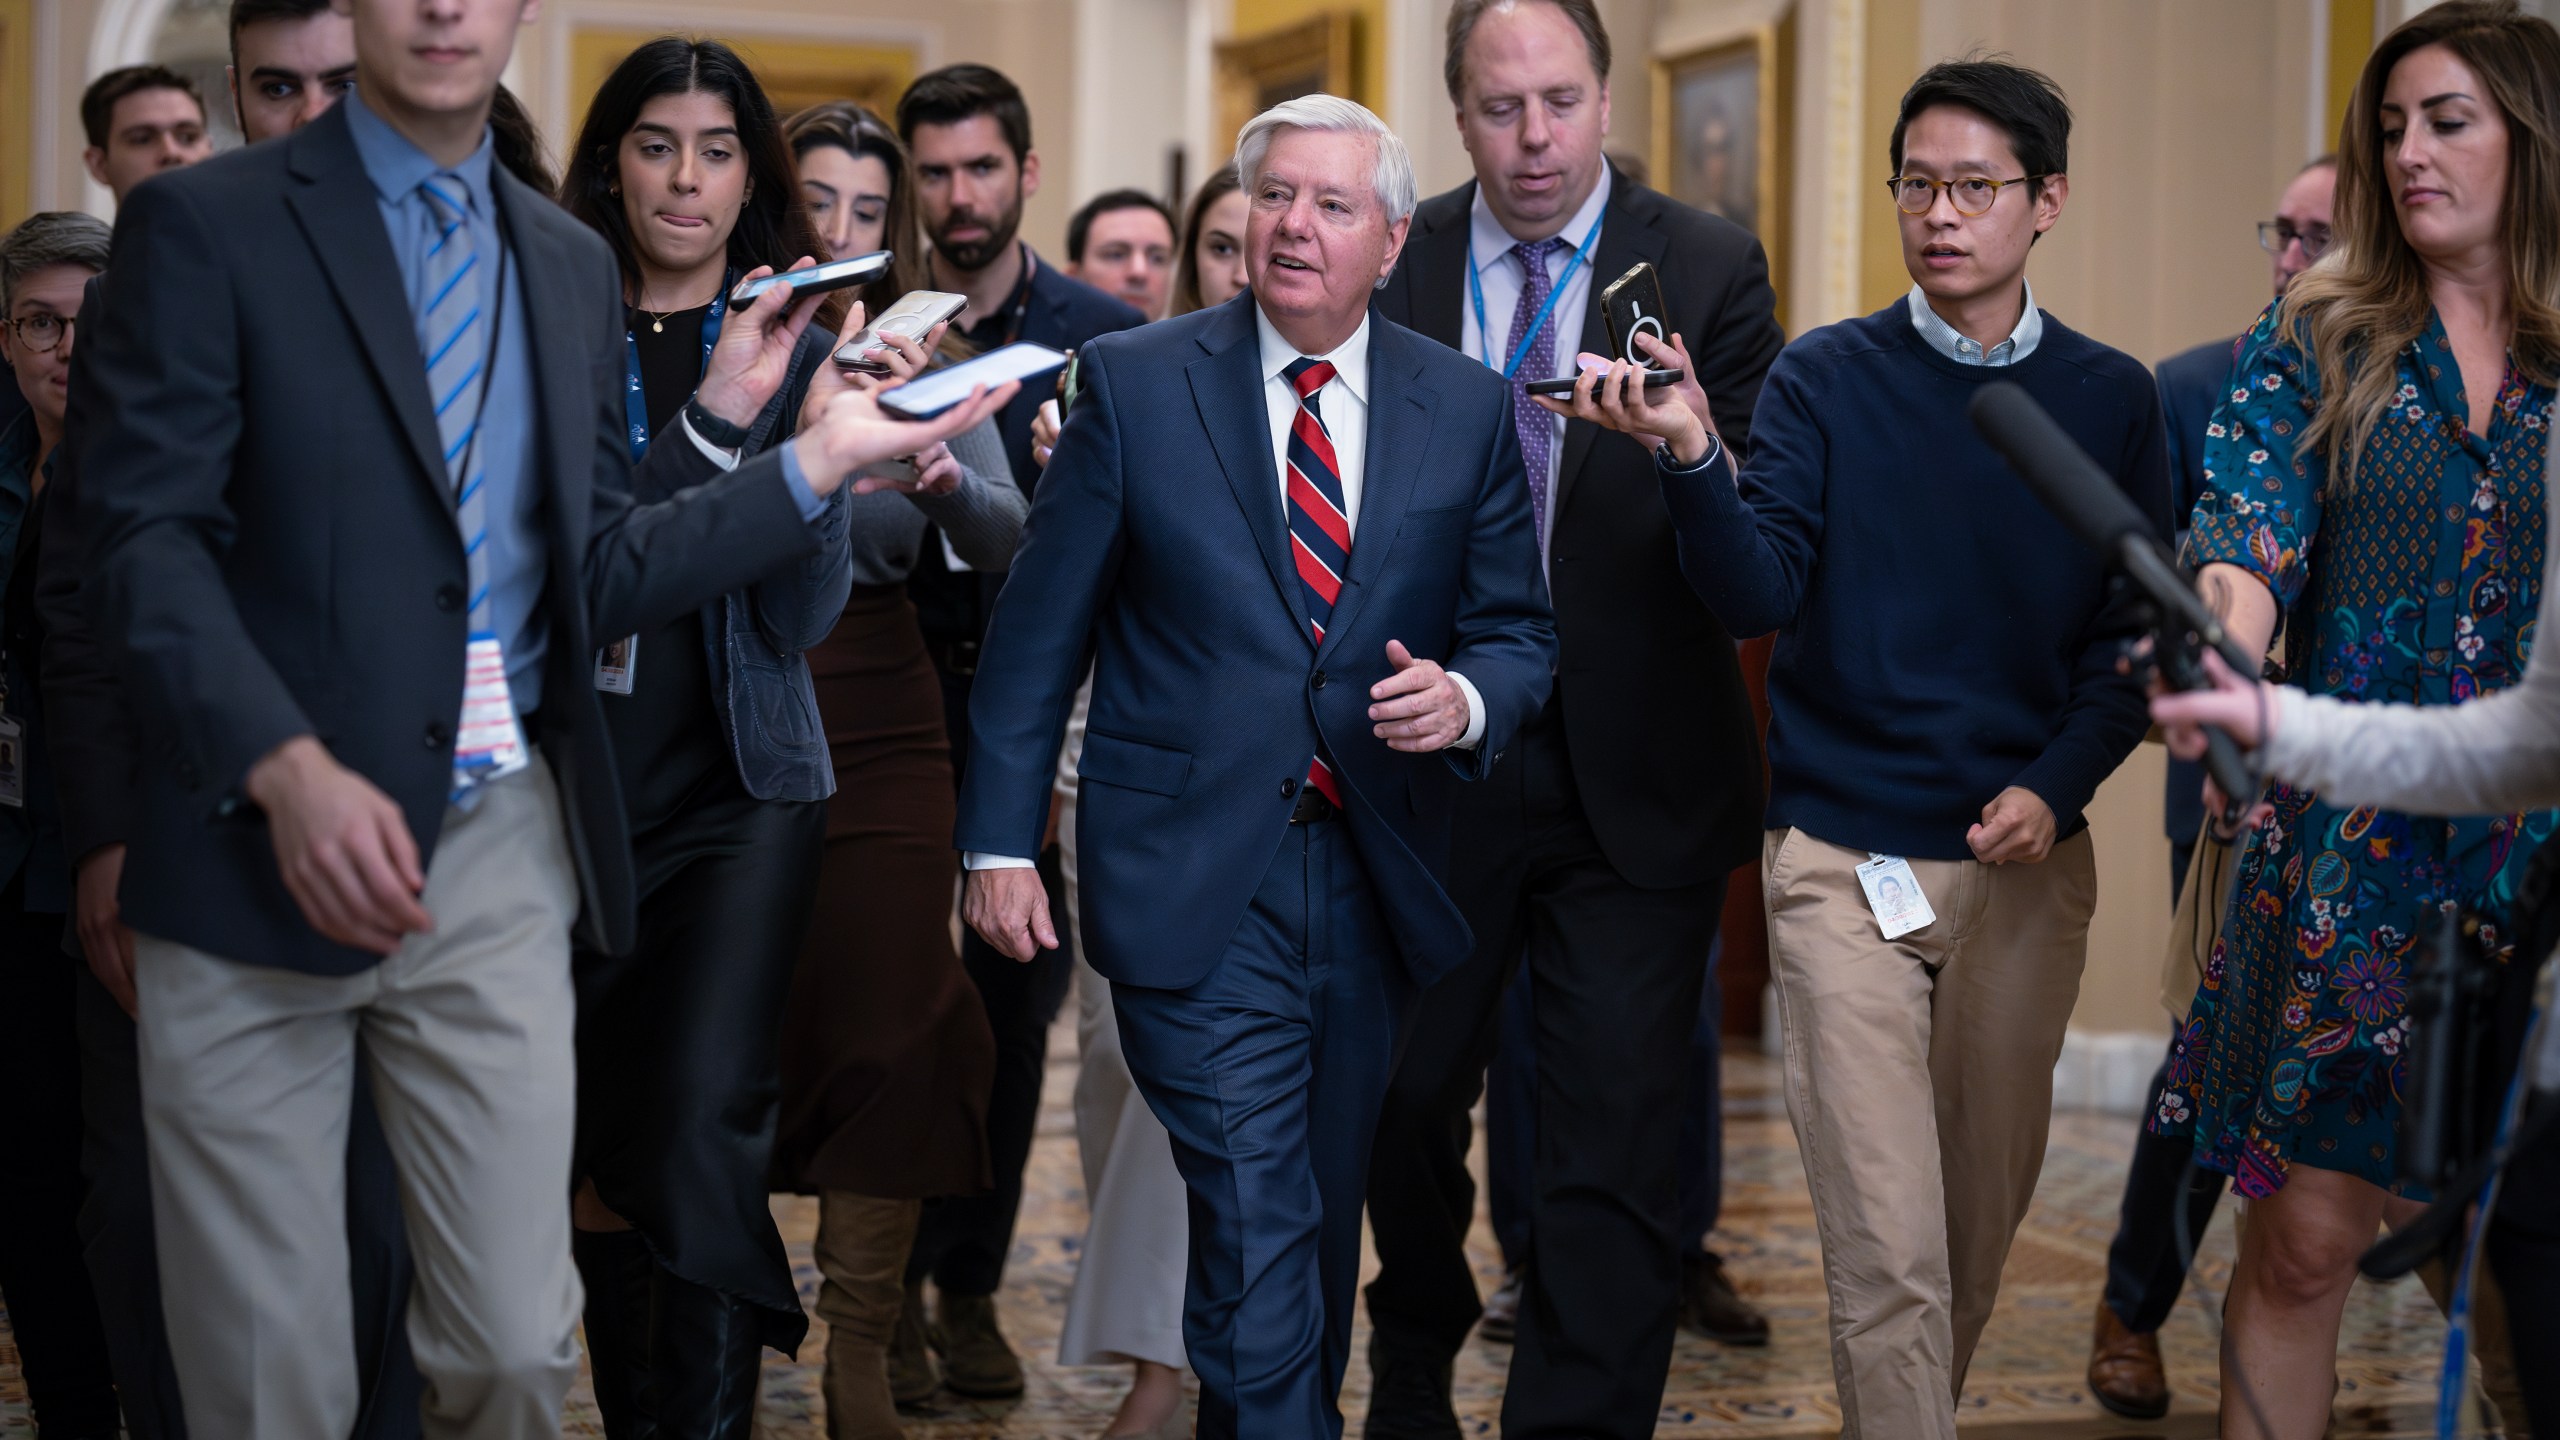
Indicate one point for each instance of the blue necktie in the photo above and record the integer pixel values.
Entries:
(453, 329)
(1319, 521)
(1537, 428)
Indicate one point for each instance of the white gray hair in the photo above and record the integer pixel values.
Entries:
(51, 237)
(1393, 179)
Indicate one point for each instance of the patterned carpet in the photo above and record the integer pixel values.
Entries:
(2025, 1383)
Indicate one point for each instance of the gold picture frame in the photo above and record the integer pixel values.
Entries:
(1317, 55)
(796, 73)
(1723, 133)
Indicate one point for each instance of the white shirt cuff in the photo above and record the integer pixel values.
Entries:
(725, 459)
(980, 860)
(1475, 714)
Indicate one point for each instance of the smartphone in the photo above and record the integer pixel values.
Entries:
(1632, 306)
(929, 395)
(916, 312)
(834, 275)
(1562, 386)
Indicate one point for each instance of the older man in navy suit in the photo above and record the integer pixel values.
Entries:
(1291, 671)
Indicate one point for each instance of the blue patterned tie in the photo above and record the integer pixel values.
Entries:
(1537, 428)
(453, 330)
(1319, 520)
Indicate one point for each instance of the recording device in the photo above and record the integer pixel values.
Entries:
(834, 275)
(2073, 487)
(1562, 386)
(1632, 306)
(930, 395)
(915, 314)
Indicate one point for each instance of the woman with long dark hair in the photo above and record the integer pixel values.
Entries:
(681, 167)
(887, 1060)
(2377, 482)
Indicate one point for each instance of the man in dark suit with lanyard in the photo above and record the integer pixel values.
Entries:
(1597, 853)
(355, 521)
(969, 134)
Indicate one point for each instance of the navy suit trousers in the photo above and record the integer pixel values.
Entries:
(1270, 1073)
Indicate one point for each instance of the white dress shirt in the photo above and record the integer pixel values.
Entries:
(1343, 402)
(1964, 349)
(1503, 278)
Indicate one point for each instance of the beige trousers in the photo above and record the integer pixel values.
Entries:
(1919, 1075)
(247, 1075)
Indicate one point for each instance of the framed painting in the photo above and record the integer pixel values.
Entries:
(1720, 133)
(1317, 55)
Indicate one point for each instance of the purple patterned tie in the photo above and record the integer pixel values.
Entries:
(1536, 427)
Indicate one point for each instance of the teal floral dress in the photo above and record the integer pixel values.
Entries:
(2421, 586)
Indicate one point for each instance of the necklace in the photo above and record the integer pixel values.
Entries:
(657, 322)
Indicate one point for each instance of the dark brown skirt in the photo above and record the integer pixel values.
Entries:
(887, 1059)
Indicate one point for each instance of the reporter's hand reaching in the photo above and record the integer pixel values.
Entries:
(851, 431)
(2246, 710)
(752, 357)
(1045, 425)
(1009, 908)
(344, 847)
(1611, 394)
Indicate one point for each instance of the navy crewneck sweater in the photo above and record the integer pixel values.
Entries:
(1942, 636)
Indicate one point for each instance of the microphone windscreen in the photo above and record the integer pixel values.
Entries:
(2055, 467)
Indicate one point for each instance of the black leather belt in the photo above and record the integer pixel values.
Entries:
(1312, 807)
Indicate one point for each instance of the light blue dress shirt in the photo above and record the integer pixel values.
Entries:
(517, 561)
(1964, 350)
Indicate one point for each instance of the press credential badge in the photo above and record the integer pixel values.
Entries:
(1894, 895)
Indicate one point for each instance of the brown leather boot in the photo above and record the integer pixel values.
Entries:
(2124, 1370)
(862, 1253)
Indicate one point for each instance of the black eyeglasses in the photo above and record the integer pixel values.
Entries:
(41, 332)
(2275, 235)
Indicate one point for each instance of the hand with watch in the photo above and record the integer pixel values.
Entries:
(1675, 419)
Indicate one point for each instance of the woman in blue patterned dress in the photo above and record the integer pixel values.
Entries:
(2375, 480)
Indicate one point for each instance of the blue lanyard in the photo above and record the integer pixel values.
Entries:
(635, 407)
(1537, 322)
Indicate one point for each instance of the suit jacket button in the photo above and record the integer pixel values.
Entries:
(448, 598)
(1288, 789)
(437, 736)
(1320, 679)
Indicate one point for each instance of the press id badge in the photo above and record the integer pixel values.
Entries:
(616, 664)
(13, 762)
(1894, 895)
(489, 743)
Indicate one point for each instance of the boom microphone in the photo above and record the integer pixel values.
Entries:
(2073, 487)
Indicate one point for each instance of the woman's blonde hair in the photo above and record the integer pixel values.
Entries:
(2366, 301)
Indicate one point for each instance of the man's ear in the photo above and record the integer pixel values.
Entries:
(96, 160)
(2049, 198)
(1030, 174)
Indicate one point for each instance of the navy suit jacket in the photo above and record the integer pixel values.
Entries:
(1157, 548)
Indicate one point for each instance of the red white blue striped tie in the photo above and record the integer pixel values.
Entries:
(1319, 522)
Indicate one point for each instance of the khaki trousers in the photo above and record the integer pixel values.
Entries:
(1919, 1075)
(247, 1074)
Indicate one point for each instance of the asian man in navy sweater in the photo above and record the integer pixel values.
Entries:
(1944, 704)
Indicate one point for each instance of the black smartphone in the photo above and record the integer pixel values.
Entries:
(1562, 386)
(1632, 306)
(834, 275)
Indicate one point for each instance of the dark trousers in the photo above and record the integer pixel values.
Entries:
(122, 1252)
(962, 1241)
(1617, 973)
(2524, 1252)
(1511, 1129)
(1268, 1073)
(62, 1350)
(2145, 1268)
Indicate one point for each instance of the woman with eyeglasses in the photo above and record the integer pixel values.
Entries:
(887, 1058)
(681, 167)
(2375, 483)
